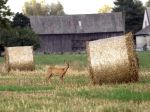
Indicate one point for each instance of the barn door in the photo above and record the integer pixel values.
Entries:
(78, 45)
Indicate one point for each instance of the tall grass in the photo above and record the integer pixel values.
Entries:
(144, 59)
(28, 91)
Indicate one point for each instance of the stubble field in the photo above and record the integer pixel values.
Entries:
(28, 91)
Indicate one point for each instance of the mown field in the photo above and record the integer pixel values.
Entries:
(28, 91)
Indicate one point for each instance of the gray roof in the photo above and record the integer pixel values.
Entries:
(69, 24)
(145, 31)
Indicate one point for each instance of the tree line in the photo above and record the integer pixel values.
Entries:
(17, 31)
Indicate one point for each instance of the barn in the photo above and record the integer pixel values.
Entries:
(143, 36)
(69, 33)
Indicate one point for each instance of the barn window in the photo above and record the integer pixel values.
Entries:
(80, 24)
(78, 45)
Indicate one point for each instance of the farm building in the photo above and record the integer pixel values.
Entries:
(69, 33)
(143, 36)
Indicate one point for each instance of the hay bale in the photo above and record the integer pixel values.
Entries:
(112, 60)
(19, 58)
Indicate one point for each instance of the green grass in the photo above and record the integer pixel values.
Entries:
(115, 94)
(144, 59)
(28, 91)
(59, 59)
(24, 88)
(1, 59)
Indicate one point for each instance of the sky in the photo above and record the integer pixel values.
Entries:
(70, 6)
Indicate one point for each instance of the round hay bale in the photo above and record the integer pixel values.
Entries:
(112, 60)
(19, 58)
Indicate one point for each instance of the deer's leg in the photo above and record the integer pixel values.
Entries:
(48, 77)
(62, 80)
(62, 77)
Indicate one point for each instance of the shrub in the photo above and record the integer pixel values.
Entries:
(26, 37)
(18, 37)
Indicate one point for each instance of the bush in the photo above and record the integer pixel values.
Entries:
(26, 37)
(18, 37)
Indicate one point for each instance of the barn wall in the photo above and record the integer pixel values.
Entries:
(79, 40)
(148, 42)
(54, 43)
(69, 42)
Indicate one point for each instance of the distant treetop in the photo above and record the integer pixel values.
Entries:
(105, 9)
(148, 3)
(34, 8)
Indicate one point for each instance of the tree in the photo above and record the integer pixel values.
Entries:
(56, 9)
(105, 9)
(20, 20)
(4, 13)
(26, 37)
(148, 3)
(133, 10)
(34, 8)
(18, 37)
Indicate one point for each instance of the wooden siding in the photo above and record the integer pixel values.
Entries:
(54, 43)
(69, 42)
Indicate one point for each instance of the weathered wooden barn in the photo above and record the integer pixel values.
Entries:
(69, 33)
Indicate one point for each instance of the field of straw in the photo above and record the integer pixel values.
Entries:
(28, 91)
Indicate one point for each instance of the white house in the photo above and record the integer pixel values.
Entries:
(143, 36)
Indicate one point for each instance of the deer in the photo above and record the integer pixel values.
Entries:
(59, 71)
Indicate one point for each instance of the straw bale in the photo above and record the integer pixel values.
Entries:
(112, 60)
(19, 58)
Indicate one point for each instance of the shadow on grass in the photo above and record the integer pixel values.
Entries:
(115, 94)
(24, 88)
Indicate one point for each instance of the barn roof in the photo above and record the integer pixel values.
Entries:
(145, 31)
(148, 12)
(72, 24)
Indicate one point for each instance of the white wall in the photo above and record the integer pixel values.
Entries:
(148, 42)
(140, 42)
